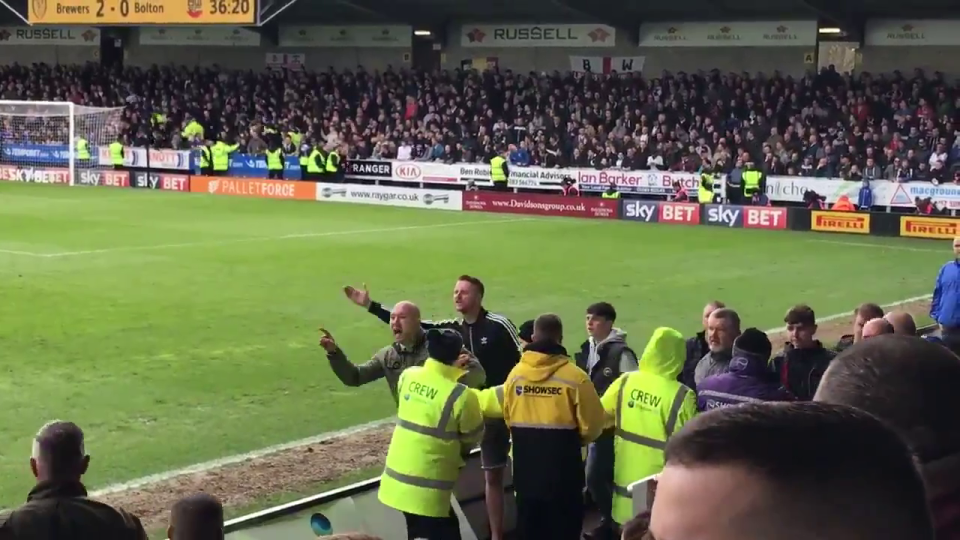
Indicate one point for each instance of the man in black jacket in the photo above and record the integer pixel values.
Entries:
(863, 313)
(804, 359)
(58, 507)
(494, 341)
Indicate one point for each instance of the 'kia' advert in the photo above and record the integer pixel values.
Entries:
(541, 205)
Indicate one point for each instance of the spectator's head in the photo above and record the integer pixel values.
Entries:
(444, 345)
(600, 319)
(753, 345)
(789, 471)
(908, 382)
(405, 322)
(710, 308)
(196, 517)
(723, 327)
(801, 326)
(525, 333)
(876, 327)
(956, 243)
(58, 453)
(861, 315)
(468, 294)
(902, 322)
(548, 328)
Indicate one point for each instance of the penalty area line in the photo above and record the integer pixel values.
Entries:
(238, 458)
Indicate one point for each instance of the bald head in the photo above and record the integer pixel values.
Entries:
(902, 322)
(876, 327)
(405, 323)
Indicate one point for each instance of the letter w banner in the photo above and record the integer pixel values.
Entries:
(607, 64)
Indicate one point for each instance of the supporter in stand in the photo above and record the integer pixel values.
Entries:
(58, 506)
(903, 323)
(679, 193)
(912, 386)
(568, 187)
(790, 471)
(697, 346)
(804, 359)
(747, 381)
(723, 327)
(876, 327)
(863, 313)
(196, 517)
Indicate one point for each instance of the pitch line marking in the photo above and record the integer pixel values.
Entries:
(238, 458)
(261, 239)
(879, 246)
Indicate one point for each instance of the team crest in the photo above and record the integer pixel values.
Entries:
(194, 8)
(39, 8)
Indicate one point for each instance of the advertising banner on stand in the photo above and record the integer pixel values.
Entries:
(431, 199)
(254, 187)
(929, 227)
(164, 181)
(90, 177)
(540, 205)
(841, 222)
(34, 175)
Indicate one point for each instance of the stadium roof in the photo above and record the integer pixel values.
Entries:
(623, 14)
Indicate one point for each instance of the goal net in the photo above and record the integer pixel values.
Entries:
(55, 142)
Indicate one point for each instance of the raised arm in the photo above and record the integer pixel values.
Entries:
(362, 299)
(345, 370)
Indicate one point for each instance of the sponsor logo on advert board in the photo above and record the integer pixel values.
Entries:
(764, 218)
(842, 222)
(541, 205)
(687, 213)
(924, 227)
(408, 172)
(640, 211)
(254, 187)
(379, 169)
(724, 215)
(104, 178)
(34, 175)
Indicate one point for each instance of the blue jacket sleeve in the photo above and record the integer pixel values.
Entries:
(937, 294)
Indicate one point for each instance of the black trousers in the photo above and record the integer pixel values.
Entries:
(276, 174)
(501, 186)
(432, 528)
(550, 519)
(206, 171)
(304, 175)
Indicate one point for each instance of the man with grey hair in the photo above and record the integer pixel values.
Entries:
(408, 349)
(723, 327)
(57, 507)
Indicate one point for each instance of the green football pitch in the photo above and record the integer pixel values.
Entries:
(178, 328)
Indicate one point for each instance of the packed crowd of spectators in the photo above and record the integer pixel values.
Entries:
(898, 127)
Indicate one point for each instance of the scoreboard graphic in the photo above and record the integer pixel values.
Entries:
(143, 12)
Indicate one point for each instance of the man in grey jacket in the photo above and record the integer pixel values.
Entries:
(723, 327)
(408, 349)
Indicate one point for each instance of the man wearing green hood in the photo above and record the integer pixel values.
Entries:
(647, 407)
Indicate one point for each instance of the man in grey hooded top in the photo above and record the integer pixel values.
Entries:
(723, 327)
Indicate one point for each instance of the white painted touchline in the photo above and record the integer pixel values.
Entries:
(945, 252)
(263, 238)
(230, 460)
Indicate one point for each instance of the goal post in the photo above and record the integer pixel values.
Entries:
(48, 141)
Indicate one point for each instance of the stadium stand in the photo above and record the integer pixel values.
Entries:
(895, 127)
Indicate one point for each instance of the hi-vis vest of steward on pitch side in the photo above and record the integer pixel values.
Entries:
(312, 166)
(639, 402)
(438, 420)
(496, 169)
(116, 153)
(275, 160)
(608, 195)
(705, 189)
(751, 182)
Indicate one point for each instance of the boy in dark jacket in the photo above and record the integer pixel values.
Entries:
(804, 359)
(747, 381)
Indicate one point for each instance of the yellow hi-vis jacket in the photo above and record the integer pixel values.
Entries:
(647, 407)
(552, 410)
(116, 153)
(221, 155)
(438, 422)
(705, 189)
(751, 182)
(83, 149)
(496, 169)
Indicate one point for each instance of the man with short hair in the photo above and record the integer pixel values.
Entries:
(493, 339)
(911, 384)
(804, 358)
(525, 333)
(748, 380)
(864, 312)
(903, 323)
(789, 471)
(876, 327)
(945, 304)
(697, 347)
(196, 517)
(604, 356)
(723, 327)
(552, 410)
(409, 348)
(58, 508)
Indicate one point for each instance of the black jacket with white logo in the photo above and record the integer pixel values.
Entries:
(493, 339)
